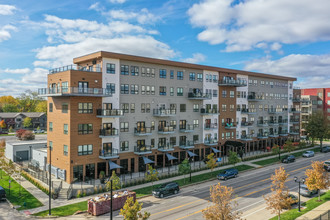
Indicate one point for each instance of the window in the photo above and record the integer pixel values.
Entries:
(66, 129)
(196, 124)
(50, 126)
(196, 138)
(224, 107)
(134, 89)
(111, 68)
(232, 108)
(124, 146)
(65, 107)
(173, 141)
(215, 78)
(255, 82)
(231, 94)
(173, 123)
(86, 149)
(111, 87)
(206, 77)
(224, 93)
(65, 150)
(143, 90)
(84, 107)
(328, 94)
(215, 93)
(143, 108)
(65, 86)
(179, 91)
(196, 108)
(125, 107)
(180, 75)
(124, 70)
(134, 70)
(162, 90)
(152, 143)
(192, 76)
(182, 107)
(51, 145)
(328, 102)
(162, 73)
(148, 90)
(260, 107)
(147, 107)
(172, 74)
(124, 126)
(171, 91)
(250, 81)
(262, 83)
(50, 107)
(200, 77)
(152, 125)
(85, 128)
(319, 94)
(124, 89)
(132, 107)
(152, 90)
(319, 102)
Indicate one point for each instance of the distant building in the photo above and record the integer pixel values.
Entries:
(15, 119)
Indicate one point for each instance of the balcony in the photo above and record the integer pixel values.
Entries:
(283, 121)
(275, 111)
(109, 113)
(294, 121)
(206, 111)
(252, 111)
(273, 123)
(254, 98)
(244, 110)
(246, 123)
(199, 95)
(74, 91)
(263, 135)
(211, 126)
(105, 133)
(140, 150)
(142, 131)
(186, 144)
(231, 125)
(164, 112)
(273, 134)
(296, 100)
(262, 123)
(246, 137)
(294, 110)
(165, 148)
(283, 133)
(232, 82)
(294, 132)
(187, 128)
(166, 130)
(211, 142)
(106, 155)
(76, 67)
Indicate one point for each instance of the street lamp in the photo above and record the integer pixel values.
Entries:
(299, 181)
(50, 180)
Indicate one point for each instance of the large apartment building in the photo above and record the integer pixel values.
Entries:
(128, 109)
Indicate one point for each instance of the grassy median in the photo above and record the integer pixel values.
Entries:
(65, 210)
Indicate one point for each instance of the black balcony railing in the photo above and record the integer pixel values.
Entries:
(108, 154)
(275, 111)
(142, 131)
(74, 91)
(168, 129)
(283, 121)
(262, 123)
(164, 112)
(109, 132)
(165, 147)
(273, 122)
(75, 67)
(254, 98)
(246, 137)
(109, 112)
(199, 95)
(142, 149)
(232, 82)
(186, 128)
(211, 126)
(211, 141)
(211, 111)
(187, 144)
(252, 111)
(262, 135)
(246, 123)
(294, 110)
(273, 134)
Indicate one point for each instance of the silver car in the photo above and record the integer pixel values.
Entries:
(308, 153)
(304, 191)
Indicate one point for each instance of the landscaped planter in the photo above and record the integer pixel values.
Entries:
(101, 205)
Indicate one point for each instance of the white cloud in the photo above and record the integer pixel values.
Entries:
(5, 32)
(7, 9)
(118, 1)
(311, 70)
(142, 17)
(244, 25)
(16, 71)
(196, 58)
(96, 6)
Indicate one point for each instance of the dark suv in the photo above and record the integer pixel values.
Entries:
(166, 189)
(325, 149)
(230, 173)
(288, 159)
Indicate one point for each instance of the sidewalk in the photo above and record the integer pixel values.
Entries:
(44, 199)
(317, 212)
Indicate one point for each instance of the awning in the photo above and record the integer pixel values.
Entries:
(215, 150)
(113, 165)
(191, 154)
(170, 157)
(146, 160)
(233, 144)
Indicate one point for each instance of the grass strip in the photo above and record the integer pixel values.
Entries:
(65, 210)
(18, 195)
(310, 204)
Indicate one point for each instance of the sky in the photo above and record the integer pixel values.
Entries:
(281, 37)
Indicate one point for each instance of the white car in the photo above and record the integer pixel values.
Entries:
(308, 153)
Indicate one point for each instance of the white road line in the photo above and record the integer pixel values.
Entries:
(250, 205)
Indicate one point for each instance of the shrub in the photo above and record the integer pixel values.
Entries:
(79, 194)
(19, 133)
(28, 135)
(100, 188)
(96, 190)
(84, 193)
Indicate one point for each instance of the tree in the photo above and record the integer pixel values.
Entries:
(151, 175)
(4, 100)
(241, 153)
(279, 199)
(28, 101)
(223, 206)
(115, 182)
(27, 122)
(211, 162)
(42, 106)
(10, 130)
(277, 150)
(10, 108)
(318, 126)
(3, 124)
(288, 146)
(184, 168)
(131, 210)
(317, 178)
(233, 158)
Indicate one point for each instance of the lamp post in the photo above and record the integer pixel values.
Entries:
(111, 199)
(50, 180)
(299, 181)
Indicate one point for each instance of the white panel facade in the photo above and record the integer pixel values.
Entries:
(241, 101)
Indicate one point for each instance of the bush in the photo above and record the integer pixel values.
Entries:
(79, 194)
(28, 135)
(19, 133)
(32, 180)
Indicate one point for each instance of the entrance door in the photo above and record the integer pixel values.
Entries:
(90, 171)
(83, 87)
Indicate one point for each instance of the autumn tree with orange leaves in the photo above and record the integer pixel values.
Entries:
(317, 178)
(223, 204)
(279, 199)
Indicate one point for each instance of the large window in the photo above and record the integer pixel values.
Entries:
(215, 93)
(85, 128)
(162, 90)
(86, 149)
(124, 70)
(192, 76)
(124, 89)
(50, 107)
(134, 70)
(224, 93)
(196, 108)
(182, 107)
(179, 91)
(66, 129)
(171, 91)
(111, 87)
(84, 107)
(231, 94)
(124, 126)
(180, 75)
(124, 146)
(200, 77)
(65, 107)
(50, 126)
(134, 89)
(65, 150)
(111, 68)
(196, 124)
(172, 74)
(132, 107)
(125, 107)
(162, 73)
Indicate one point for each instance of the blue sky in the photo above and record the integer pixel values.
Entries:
(281, 37)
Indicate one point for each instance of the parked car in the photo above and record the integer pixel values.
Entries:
(230, 173)
(325, 149)
(294, 199)
(166, 189)
(306, 192)
(288, 159)
(308, 153)
(326, 165)
(3, 132)
(2, 193)
(38, 131)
